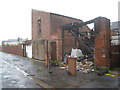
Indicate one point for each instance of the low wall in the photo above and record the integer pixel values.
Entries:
(0, 48)
(13, 49)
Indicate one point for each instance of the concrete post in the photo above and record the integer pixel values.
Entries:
(102, 42)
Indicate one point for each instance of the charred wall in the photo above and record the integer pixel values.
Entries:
(63, 45)
(50, 30)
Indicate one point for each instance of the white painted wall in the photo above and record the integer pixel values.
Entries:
(115, 40)
(29, 50)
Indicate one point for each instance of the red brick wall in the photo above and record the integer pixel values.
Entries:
(45, 24)
(13, 49)
(45, 32)
(102, 42)
(69, 42)
(0, 48)
(50, 29)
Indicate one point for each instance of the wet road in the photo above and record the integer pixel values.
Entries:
(16, 72)
(12, 76)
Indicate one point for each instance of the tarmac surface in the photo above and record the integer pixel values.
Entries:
(13, 77)
(21, 72)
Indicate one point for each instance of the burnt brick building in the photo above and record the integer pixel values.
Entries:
(48, 38)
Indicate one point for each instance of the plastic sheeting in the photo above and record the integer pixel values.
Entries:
(76, 53)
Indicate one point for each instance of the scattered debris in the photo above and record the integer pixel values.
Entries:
(84, 63)
(49, 71)
(62, 67)
(55, 62)
(84, 66)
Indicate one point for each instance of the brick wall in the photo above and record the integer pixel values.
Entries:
(0, 48)
(38, 51)
(69, 42)
(45, 24)
(13, 49)
(102, 42)
(50, 29)
(115, 55)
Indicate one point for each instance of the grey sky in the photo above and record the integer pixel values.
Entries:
(15, 15)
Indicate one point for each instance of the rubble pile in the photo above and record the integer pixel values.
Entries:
(83, 62)
(85, 66)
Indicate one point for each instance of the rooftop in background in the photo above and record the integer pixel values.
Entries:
(115, 34)
(12, 42)
(15, 40)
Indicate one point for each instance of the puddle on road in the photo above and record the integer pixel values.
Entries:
(13, 81)
(22, 86)
(6, 76)
(39, 82)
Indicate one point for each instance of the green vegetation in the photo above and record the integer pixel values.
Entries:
(56, 61)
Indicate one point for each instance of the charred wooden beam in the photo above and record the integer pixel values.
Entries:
(73, 25)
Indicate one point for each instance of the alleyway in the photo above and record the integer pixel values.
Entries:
(13, 76)
(20, 72)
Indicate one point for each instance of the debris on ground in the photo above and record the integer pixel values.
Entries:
(84, 63)
(84, 66)
(55, 62)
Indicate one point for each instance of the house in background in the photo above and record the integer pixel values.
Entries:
(22, 47)
(13, 46)
(47, 36)
(13, 42)
(115, 33)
